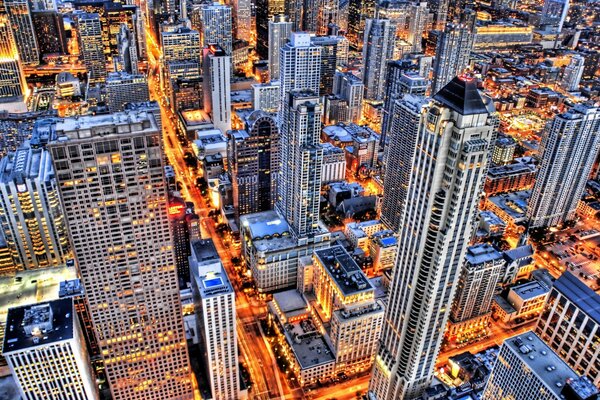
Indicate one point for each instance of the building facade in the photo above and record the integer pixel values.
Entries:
(217, 87)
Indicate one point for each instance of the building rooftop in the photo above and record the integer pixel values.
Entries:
(461, 95)
(482, 253)
(195, 117)
(38, 325)
(204, 251)
(514, 204)
(26, 163)
(290, 301)
(580, 294)
(84, 127)
(491, 218)
(268, 231)
(510, 169)
(308, 345)
(530, 290)
(343, 270)
(542, 360)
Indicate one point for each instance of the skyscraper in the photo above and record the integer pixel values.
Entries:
(327, 14)
(483, 269)
(91, 46)
(242, 10)
(265, 11)
(216, 315)
(253, 157)
(451, 150)
(49, 32)
(19, 15)
(300, 66)
(216, 27)
(181, 44)
(378, 49)
(350, 88)
(116, 211)
(46, 352)
(416, 25)
(334, 52)
(358, 13)
(573, 73)
(453, 51)
(570, 325)
(301, 161)
(569, 147)
(127, 56)
(407, 117)
(279, 33)
(123, 88)
(439, 9)
(181, 238)
(554, 13)
(30, 214)
(12, 80)
(217, 88)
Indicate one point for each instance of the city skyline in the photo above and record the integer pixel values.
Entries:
(311, 199)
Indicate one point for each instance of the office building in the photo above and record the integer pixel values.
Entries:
(181, 239)
(123, 88)
(266, 10)
(49, 32)
(46, 353)
(91, 46)
(215, 308)
(453, 51)
(327, 13)
(433, 236)
(483, 269)
(300, 67)
(216, 27)
(528, 369)
(501, 36)
(126, 276)
(378, 49)
(407, 117)
(181, 44)
(417, 22)
(19, 15)
(30, 214)
(279, 32)
(570, 325)
(126, 59)
(570, 144)
(358, 13)
(572, 74)
(253, 157)
(301, 158)
(242, 11)
(12, 80)
(554, 13)
(334, 54)
(350, 88)
(265, 96)
(217, 87)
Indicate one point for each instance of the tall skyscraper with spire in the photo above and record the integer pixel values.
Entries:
(569, 148)
(453, 50)
(451, 154)
(110, 173)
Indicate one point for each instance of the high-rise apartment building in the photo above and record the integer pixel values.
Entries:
(279, 33)
(217, 87)
(111, 181)
(417, 21)
(350, 88)
(123, 88)
(453, 51)
(216, 27)
(242, 11)
(573, 73)
(253, 157)
(328, 14)
(528, 369)
(300, 66)
(45, 350)
(216, 315)
(570, 325)
(19, 15)
(483, 269)
(30, 214)
(569, 147)
(378, 49)
(91, 46)
(407, 117)
(439, 11)
(301, 160)
(450, 160)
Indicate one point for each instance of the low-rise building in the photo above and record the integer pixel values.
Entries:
(509, 178)
(334, 164)
(383, 250)
(521, 303)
